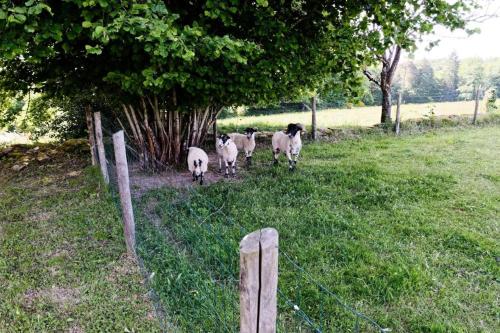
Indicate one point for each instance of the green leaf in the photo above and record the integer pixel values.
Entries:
(86, 24)
(93, 49)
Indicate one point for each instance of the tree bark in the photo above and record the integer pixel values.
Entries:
(386, 104)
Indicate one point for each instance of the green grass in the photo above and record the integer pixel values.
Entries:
(404, 229)
(62, 256)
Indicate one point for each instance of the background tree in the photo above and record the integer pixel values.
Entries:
(397, 26)
(452, 78)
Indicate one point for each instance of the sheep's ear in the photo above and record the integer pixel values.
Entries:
(199, 161)
(195, 164)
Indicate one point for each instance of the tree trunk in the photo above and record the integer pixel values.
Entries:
(386, 104)
(160, 136)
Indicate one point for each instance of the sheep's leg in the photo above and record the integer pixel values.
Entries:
(201, 179)
(226, 175)
(194, 176)
(233, 164)
(220, 164)
(276, 154)
(295, 157)
(290, 161)
(248, 155)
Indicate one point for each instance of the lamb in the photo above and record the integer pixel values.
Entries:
(197, 163)
(288, 142)
(245, 142)
(227, 151)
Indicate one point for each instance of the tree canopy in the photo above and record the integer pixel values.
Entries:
(164, 57)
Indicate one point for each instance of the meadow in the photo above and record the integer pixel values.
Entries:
(404, 229)
(63, 262)
(357, 116)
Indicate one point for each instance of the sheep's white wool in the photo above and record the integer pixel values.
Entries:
(244, 143)
(284, 144)
(288, 143)
(196, 155)
(228, 152)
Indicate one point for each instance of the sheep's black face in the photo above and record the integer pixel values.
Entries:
(249, 131)
(223, 140)
(292, 130)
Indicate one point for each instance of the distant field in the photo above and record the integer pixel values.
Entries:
(360, 116)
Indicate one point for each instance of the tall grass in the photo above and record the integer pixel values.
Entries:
(404, 229)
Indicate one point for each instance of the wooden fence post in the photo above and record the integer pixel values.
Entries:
(124, 188)
(398, 115)
(90, 129)
(313, 120)
(476, 107)
(259, 281)
(100, 146)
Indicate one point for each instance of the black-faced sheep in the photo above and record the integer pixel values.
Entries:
(197, 163)
(288, 142)
(245, 142)
(227, 152)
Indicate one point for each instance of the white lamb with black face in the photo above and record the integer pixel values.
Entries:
(227, 151)
(197, 163)
(245, 142)
(288, 142)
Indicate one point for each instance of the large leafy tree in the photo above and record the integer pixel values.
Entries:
(172, 65)
(398, 25)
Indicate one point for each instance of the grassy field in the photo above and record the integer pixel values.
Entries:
(359, 116)
(404, 229)
(63, 266)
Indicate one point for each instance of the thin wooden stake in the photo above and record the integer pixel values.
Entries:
(313, 119)
(476, 107)
(124, 188)
(90, 129)
(398, 115)
(100, 146)
(259, 281)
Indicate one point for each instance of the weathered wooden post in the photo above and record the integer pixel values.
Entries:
(100, 146)
(313, 120)
(398, 115)
(90, 129)
(124, 189)
(259, 281)
(476, 106)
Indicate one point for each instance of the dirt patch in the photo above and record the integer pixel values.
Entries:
(125, 266)
(62, 297)
(76, 329)
(41, 216)
(141, 182)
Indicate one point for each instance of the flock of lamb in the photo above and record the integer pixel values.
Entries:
(228, 145)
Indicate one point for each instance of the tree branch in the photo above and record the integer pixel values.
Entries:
(371, 77)
(394, 63)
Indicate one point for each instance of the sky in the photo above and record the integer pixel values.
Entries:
(485, 44)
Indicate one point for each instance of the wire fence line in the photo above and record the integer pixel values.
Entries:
(188, 247)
